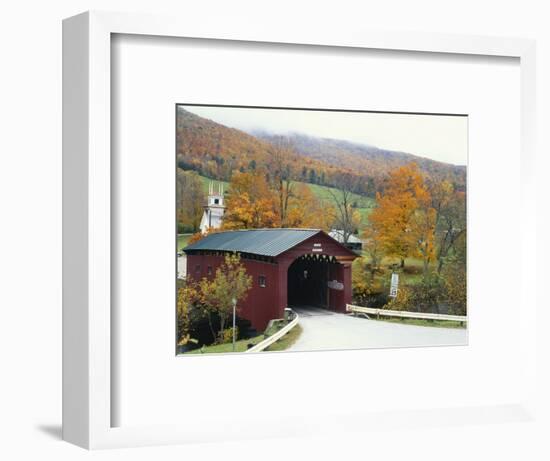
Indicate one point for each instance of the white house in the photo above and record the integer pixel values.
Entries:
(353, 242)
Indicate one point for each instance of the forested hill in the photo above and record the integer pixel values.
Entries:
(360, 157)
(216, 151)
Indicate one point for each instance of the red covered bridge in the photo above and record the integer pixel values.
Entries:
(289, 267)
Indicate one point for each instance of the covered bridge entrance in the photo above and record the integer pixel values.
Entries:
(317, 280)
(289, 267)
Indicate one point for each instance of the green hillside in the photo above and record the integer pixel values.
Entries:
(363, 203)
(206, 184)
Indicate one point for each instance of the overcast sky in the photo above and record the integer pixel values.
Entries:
(439, 137)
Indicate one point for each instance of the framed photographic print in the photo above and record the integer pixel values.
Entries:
(272, 219)
(305, 221)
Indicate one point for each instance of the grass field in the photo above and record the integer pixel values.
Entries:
(206, 184)
(325, 192)
(364, 205)
(287, 340)
(242, 345)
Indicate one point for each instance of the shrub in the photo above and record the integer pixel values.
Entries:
(424, 297)
(185, 229)
(187, 297)
(435, 293)
(226, 336)
(455, 287)
(365, 287)
(403, 300)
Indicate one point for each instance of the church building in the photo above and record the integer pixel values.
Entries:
(214, 209)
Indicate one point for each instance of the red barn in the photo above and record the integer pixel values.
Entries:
(289, 267)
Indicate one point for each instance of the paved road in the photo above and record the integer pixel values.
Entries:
(324, 330)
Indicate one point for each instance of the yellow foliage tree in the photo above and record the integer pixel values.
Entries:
(424, 229)
(187, 297)
(231, 282)
(402, 218)
(250, 203)
(305, 210)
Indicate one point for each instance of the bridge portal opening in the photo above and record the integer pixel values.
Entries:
(309, 279)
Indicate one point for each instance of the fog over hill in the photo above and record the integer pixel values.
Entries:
(216, 151)
(356, 155)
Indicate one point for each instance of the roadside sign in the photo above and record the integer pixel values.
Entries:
(394, 285)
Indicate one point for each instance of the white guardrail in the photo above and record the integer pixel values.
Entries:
(404, 314)
(276, 336)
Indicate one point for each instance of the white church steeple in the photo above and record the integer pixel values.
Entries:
(214, 209)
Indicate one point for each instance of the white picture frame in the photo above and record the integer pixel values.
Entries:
(87, 360)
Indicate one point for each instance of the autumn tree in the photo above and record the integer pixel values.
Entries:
(372, 244)
(347, 218)
(280, 172)
(401, 230)
(363, 282)
(250, 203)
(231, 281)
(450, 207)
(423, 225)
(188, 296)
(456, 286)
(190, 199)
(306, 210)
(200, 235)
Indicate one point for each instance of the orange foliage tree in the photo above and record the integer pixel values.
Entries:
(200, 235)
(424, 230)
(403, 220)
(250, 203)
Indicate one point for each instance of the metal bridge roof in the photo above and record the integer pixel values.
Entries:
(265, 242)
